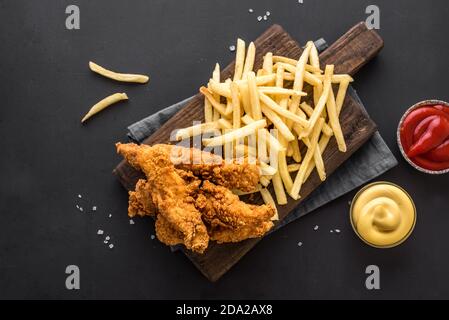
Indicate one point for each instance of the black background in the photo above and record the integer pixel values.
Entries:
(48, 158)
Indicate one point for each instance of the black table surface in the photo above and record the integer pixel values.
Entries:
(48, 157)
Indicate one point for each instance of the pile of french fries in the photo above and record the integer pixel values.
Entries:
(252, 103)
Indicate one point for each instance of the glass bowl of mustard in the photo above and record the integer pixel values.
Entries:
(383, 215)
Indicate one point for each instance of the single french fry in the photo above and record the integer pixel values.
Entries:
(299, 180)
(224, 124)
(293, 167)
(309, 111)
(294, 62)
(249, 61)
(239, 59)
(196, 130)
(319, 163)
(268, 63)
(270, 103)
(296, 152)
(338, 78)
(341, 94)
(283, 172)
(267, 170)
(335, 122)
(220, 89)
(278, 123)
(217, 105)
(260, 80)
(279, 191)
(265, 181)
(236, 119)
(208, 111)
(315, 60)
(268, 199)
(254, 96)
(281, 91)
(323, 100)
(104, 103)
(216, 78)
(122, 77)
(235, 134)
(324, 141)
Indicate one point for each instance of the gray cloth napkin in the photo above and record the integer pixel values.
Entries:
(370, 161)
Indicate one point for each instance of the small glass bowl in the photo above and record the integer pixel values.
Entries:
(418, 105)
(355, 229)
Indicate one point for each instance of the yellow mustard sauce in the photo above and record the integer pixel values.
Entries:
(383, 214)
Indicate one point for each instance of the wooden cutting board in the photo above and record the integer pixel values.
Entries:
(348, 54)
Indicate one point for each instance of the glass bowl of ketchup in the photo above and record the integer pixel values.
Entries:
(423, 136)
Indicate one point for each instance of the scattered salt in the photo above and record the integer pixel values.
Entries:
(94, 208)
(81, 209)
(79, 196)
(107, 238)
(250, 10)
(111, 246)
(332, 231)
(268, 13)
(265, 17)
(110, 215)
(300, 1)
(232, 48)
(337, 230)
(316, 228)
(131, 221)
(100, 231)
(152, 237)
(259, 18)
(300, 244)
(105, 241)
(77, 206)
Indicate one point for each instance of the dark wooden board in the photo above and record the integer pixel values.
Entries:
(349, 54)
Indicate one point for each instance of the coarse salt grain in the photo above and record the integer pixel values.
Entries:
(316, 228)
(111, 246)
(94, 208)
(81, 209)
(337, 230)
(79, 196)
(300, 1)
(250, 10)
(259, 18)
(299, 244)
(105, 241)
(131, 221)
(332, 231)
(232, 48)
(100, 231)
(110, 215)
(268, 13)
(265, 17)
(108, 238)
(152, 237)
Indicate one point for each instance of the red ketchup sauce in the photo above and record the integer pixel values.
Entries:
(425, 137)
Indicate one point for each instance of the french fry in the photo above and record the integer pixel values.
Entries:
(294, 62)
(324, 141)
(189, 132)
(216, 77)
(323, 100)
(236, 119)
(217, 105)
(104, 103)
(239, 59)
(279, 191)
(224, 124)
(296, 152)
(268, 63)
(294, 167)
(267, 170)
(235, 134)
(122, 77)
(281, 91)
(260, 80)
(254, 96)
(278, 123)
(268, 199)
(319, 163)
(283, 172)
(221, 89)
(334, 122)
(309, 111)
(299, 180)
(208, 111)
(270, 103)
(341, 94)
(249, 61)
